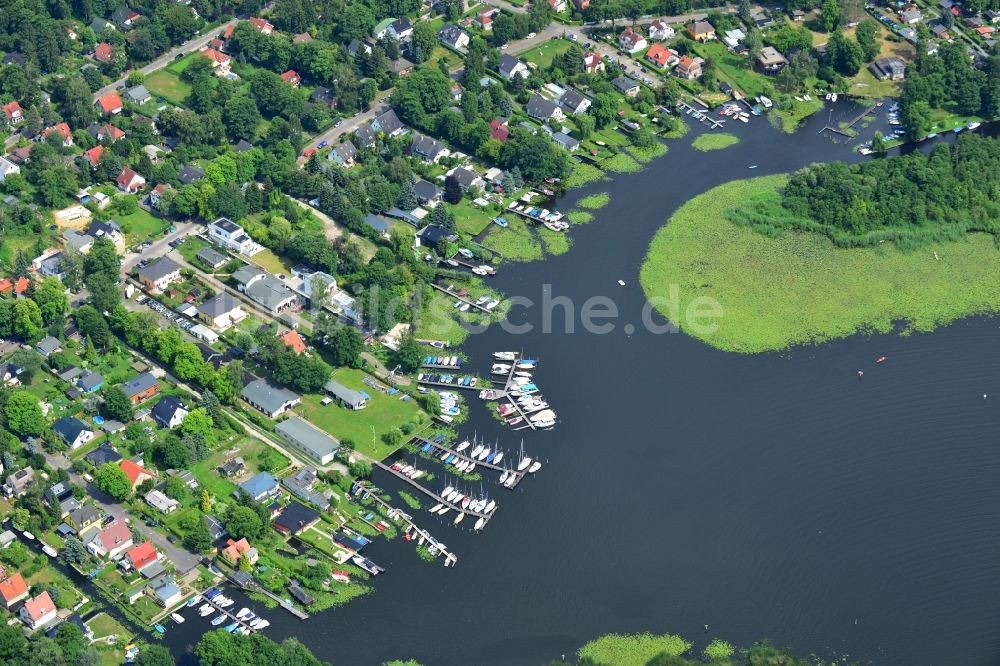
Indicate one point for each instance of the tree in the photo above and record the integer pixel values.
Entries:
(176, 488)
(154, 655)
(20, 519)
(24, 414)
(104, 294)
(188, 362)
(210, 402)
(102, 258)
(867, 34)
(878, 144)
(243, 522)
(845, 55)
(199, 539)
(117, 405)
(112, 480)
(241, 117)
(22, 265)
(13, 646)
(409, 354)
(407, 196)
(73, 551)
(356, 22)
(603, 109)
(347, 344)
(452, 190)
(198, 422)
(93, 325)
(205, 502)
(830, 15)
(27, 320)
(916, 119)
(50, 295)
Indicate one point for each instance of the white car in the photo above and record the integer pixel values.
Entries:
(531, 35)
(504, 47)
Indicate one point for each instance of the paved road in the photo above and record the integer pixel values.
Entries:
(166, 58)
(350, 124)
(183, 559)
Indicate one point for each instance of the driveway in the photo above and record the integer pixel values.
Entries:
(160, 246)
(165, 59)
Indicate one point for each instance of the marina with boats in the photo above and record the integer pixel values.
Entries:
(521, 404)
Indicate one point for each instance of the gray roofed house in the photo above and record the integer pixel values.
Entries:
(467, 178)
(211, 258)
(222, 310)
(245, 275)
(453, 36)
(889, 69)
(388, 122)
(406, 216)
(428, 149)
(378, 223)
(574, 102)
(401, 28)
(190, 173)
(427, 192)
(47, 346)
(301, 485)
(356, 45)
(103, 454)
(243, 146)
(347, 397)
(300, 594)
(140, 387)
(566, 141)
(83, 517)
(308, 439)
(270, 292)
(138, 94)
(323, 95)
(233, 467)
(99, 25)
(52, 266)
(73, 431)
(156, 274)
(71, 373)
(344, 154)
(543, 109)
(80, 242)
(169, 411)
(366, 136)
(269, 398)
(509, 67)
(90, 381)
(18, 482)
(626, 85)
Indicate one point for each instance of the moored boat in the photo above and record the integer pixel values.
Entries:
(177, 617)
(459, 518)
(219, 620)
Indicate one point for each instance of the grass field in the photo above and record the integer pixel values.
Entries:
(543, 54)
(470, 218)
(383, 413)
(271, 262)
(798, 289)
(516, 243)
(142, 225)
(164, 83)
(437, 321)
(714, 141)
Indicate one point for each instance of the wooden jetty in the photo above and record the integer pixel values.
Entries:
(450, 559)
(843, 132)
(442, 384)
(443, 448)
(433, 495)
(472, 304)
(700, 114)
(433, 366)
(291, 608)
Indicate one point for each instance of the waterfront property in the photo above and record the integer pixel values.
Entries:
(307, 439)
(269, 398)
(348, 398)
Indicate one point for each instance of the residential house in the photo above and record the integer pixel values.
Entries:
(302, 483)
(299, 593)
(156, 276)
(236, 549)
(169, 411)
(14, 113)
(83, 518)
(220, 61)
(110, 104)
(138, 94)
(103, 52)
(108, 229)
(543, 109)
(733, 38)
(770, 61)
(509, 67)
(51, 266)
(302, 38)
(156, 194)
(18, 482)
(888, 69)
(269, 398)
(295, 519)
(347, 397)
(129, 181)
(366, 136)
(12, 590)
(574, 102)
(48, 346)
(90, 382)
(106, 132)
(356, 45)
(141, 387)
(61, 129)
(136, 473)
(499, 130)
(9, 373)
(632, 41)
(660, 30)
(93, 156)
(221, 311)
(73, 431)
(940, 31)
(190, 173)
(211, 258)
(7, 168)
(661, 56)
(688, 68)
(263, 27)
(468, 178)
(104, 453)
(38, 611)
(265, 289)
(261, 487)
(56, 493)
(307, 439)
(566, 141)
(626, 86)
(232, 467)
(453, 37)
(911, 17)
(381, 29)
(430, 194)
(124, 17)
(558, 5)
(111, 541)
(388, 123)
(293, 341)
(428, 149)
(484, 22)
(401, 29)
(167, 594)
(160, 501)
(701, 31)
(291, 77)
(231, 236)
(324, 96)
(593, 63)
(141, 556)
(344, 154)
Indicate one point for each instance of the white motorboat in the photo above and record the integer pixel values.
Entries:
(434, 509)
(416, 475)
(445, 455)
(833, 97)
(479, 524)
(535, 466)
(459, 518)
(446, 492)
(523, 373)
(504, 355)
(544, 415)
(206, 609)
(490, 506)
(242, 612)
(546, 423)
(193, 601)
(444, 510)
(460, 465)
(176, 617)
(510, 480)
(470, 468)
(263, 625)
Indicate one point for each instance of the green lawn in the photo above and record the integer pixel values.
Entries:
(799, 288)
(517, 242)
(383, 413)
(472, 219)
(104, 625)
(142, 225)
(437, 321)
(271, 262)
(164, 83)
(249, 448)
(543, 54)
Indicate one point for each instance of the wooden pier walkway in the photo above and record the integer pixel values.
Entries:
(700, 114)
(442, 447)
(450, 559)
(442, 384)
(433, 495)
(301, 614)
(472, 304)
(843, 132)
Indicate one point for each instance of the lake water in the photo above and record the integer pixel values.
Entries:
(766, 496)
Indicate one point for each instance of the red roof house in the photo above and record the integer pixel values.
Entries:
(103, 52)
(13, 112)
(294, 340)
(62, 129)
(142, 555)
(129, 181)
(263, 27)
(93, 156)
(136, 473)
(499, 131)
(228, 32)
(661, 56)
(218, 58)
(39, 611)
(21, 286)
(110, 132)
(292, 77)
(592, 62)
(110, 104)
(13, 590)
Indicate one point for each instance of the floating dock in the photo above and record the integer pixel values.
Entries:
(472, 304)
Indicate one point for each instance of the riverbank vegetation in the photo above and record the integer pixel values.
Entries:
(911, 200)
(799, 288)
(717, 141)
(648, 649)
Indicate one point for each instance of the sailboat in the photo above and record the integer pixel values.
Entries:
(496, 461)
(523, 463)
(490, 506)
(459, 518)
(479, 524)
(535, 466)
(463, 446)
(434, 509)
(503, 477)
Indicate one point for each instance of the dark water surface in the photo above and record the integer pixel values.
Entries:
(766, 496)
